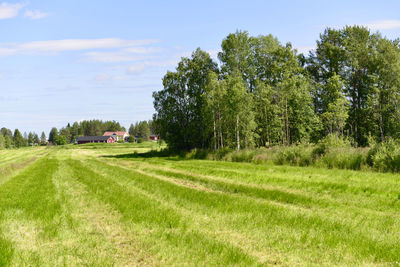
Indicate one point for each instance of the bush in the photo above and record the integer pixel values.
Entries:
(300, 155)
(386, 156)
(331, 141)
(60, 140)
(344, 158)
(241, 156)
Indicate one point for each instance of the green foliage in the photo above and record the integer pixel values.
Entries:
(131, 139)
(142, 129)
(53, 135)
(331, 141)
(2, 142)
(60, 140)
(43, 139)
(18, 139)
(344, 158)
(386, 156)
(180, 105)
(300, 155)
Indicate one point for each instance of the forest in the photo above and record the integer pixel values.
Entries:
(69, 133)
(264, 93)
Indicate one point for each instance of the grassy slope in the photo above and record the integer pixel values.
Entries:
(85, 205)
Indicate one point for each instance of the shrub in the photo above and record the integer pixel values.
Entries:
(241, 156)
(331, 141)
(344, 158)
(386, 156)
(197, 154)
(60, 140)
(300, 155)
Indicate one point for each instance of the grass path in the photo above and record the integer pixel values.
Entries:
(87, 206)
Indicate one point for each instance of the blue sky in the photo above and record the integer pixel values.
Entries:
(65, 61)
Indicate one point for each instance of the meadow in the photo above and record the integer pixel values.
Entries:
(117, 205)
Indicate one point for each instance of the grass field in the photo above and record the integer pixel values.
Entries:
(103, 205)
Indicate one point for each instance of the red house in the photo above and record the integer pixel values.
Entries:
(154, 137)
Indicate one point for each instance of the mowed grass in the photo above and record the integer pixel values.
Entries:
(102, 205)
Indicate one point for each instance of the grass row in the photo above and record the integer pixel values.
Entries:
(281, 224)
(31, 196)
(105, 207)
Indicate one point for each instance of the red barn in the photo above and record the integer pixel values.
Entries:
(94, 139)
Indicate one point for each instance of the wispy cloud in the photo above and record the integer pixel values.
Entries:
(35, 14)
(139, 67)
(123, 55)
(8, 11)
(384, 25)
(135, 69)
(80, 44)
(7, 49)
(112, 57)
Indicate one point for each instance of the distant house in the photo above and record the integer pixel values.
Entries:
(154, 137)
(94, 139)
(118, 136)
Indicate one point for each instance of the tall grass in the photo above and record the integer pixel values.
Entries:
(331, 152)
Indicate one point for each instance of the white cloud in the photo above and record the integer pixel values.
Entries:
(124, 55)
(135, 69)
(8, 11)
(102, 78)
(35, 14)
(110, 57)
(143, 50)
(383, 25)
(80, 44)
(7, 49)
(141, 66)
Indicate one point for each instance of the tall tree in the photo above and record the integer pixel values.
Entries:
(43, 139)
(239, 113)
(2, 142)
(30, 139)
(52, 135)
(18, 139)
(336, 114)
(180, 105)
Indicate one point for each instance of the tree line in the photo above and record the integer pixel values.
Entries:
(9, 139)
(264, 93)
(69, 133)
(142, 130)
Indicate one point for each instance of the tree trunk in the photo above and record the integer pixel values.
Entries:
(220, 131)
(237, 133)
(215, 134)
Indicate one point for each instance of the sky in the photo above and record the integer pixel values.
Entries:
(66, 61)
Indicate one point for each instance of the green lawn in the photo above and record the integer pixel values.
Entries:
(103, 205)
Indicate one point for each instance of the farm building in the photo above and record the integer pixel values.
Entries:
(118, 136)
(94, 139)
(154, 137)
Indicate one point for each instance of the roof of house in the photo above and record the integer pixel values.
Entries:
(92, 138)
(119, 133)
